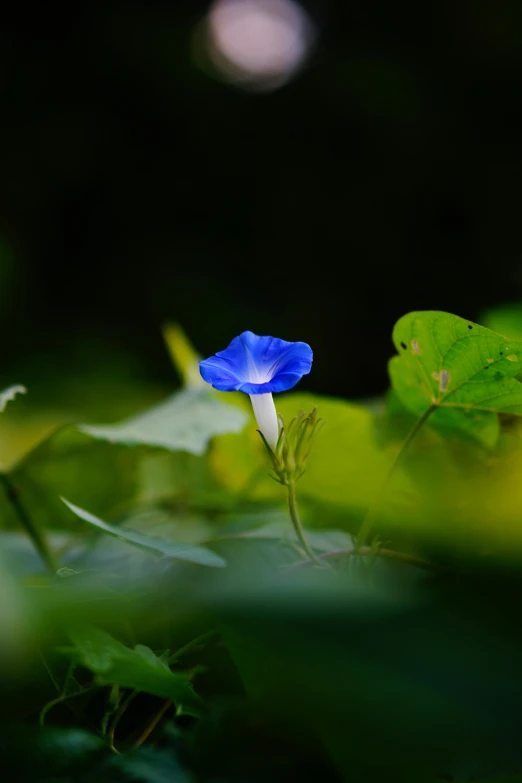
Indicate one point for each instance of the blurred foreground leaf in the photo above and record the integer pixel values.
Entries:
(59, 755)
(151, 765)
(401, 661)
(184, 422)
(152, 544)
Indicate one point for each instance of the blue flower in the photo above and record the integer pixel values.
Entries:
(259, 366)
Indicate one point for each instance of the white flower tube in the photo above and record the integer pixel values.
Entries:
(266, 417)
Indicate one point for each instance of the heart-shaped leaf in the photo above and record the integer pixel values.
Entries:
(185, 421)
(461, 368)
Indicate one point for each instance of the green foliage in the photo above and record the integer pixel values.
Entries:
(59, 466)
(464, 370)
(140, 668)
(390, 659)
(345, 468)
(58, 755)
(184, 422)
(152, 544)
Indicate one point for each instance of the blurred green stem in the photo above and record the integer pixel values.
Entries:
(371, 514)
(54, 703)
(199, 640)
(298, 527)
(118, 714)
(36, 536)
(369, 551)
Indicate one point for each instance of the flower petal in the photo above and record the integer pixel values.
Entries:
(228, 369)
(257, 365)
(220, 373)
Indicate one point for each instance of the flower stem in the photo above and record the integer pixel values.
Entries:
(294, 514)
(371, 514)
(29, 526)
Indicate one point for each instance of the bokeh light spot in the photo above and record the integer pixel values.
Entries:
(258, 44)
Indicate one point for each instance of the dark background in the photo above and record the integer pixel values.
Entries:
(136, 186)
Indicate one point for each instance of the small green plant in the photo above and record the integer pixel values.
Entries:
(181, 627)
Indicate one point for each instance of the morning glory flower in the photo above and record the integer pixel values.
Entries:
(259, 366)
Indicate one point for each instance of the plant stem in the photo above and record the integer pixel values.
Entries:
(366, 550)
(36, 536)
(371, 514)
(298, 527)
(149, 728)
(203, 639)
(118, 714)
(61, 700)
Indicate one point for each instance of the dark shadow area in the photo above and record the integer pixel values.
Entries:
(137, 186)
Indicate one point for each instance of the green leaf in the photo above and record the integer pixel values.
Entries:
(152, 544)
(345, 468)
(59, 466)
(151, 765)
(483, 426)
(255, 557)
(346, 465)
(9, 394)
(185, 421)
(69, 744)
(283, 532)
(140, 669)
(120, 479)
(461, 368)
(274, 547)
